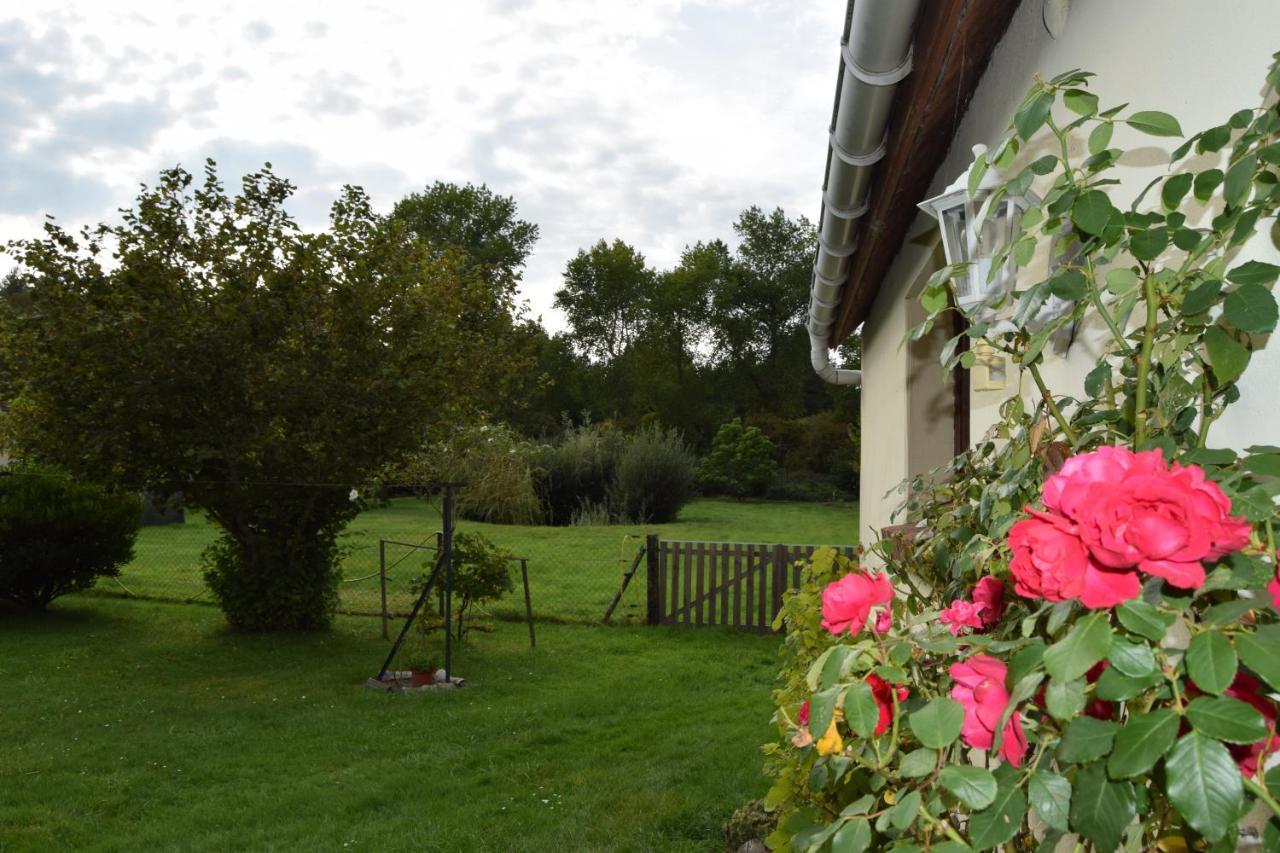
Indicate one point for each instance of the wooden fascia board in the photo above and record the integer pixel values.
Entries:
(953, 43)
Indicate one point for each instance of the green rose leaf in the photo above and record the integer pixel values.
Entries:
(860, 709)
(1211, 662)
(1114, 686)
(1029, 119)
(1087, 739)
(1147, 245)
(1051, 798)
(917, 763)
(822, 710)
(1086, 644)
(1100, 808)
(973, 786)
(1251, 308)
(1254, 272)
(1091, 211)
(1080, 102)
(833, 666)
(1145, 619)
(1069, 285)
(905, 812)
(1064, 699)
(853, 837)
(1227, 355)
(1100, 137)
(938, 723)
(1201, 297)
(1154, 123)
(1142, 742)
(1235, 187)
(1174, 190)
(1204, 784)
(1133, 659)
(1224, 718)
(1000, 821)
(1205, 183)
(1258, 651)
(1121, 280)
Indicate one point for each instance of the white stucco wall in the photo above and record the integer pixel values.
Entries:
(1196, 59)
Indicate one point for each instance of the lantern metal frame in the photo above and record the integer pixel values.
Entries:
(974, 232)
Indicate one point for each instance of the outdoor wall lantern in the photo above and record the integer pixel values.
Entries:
(974, 232)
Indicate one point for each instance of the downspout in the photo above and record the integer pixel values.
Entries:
(875, 55)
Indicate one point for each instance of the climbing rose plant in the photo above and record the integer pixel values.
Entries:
(1075, 638)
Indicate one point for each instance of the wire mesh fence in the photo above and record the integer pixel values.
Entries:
(574, 572)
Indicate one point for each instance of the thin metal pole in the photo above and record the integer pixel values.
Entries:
(528, 605)
(446, 549)
(413, 614)
(382, 579)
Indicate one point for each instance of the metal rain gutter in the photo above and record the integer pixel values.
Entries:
(875, 55)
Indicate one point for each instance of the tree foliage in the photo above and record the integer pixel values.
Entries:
(207, 345)
(740, 462)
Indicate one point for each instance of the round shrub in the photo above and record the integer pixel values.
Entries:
(577, 473)
(654, 478)
(740, 463)
(59, 536)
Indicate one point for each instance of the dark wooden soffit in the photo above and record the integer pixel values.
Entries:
(952, 46)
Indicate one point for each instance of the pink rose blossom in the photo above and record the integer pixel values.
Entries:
(847, 603)
(980, 689)
(1051, 562)
(980, 614)
(884, 621)
(1132, 510)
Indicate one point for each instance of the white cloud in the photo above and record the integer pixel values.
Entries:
(656, 121)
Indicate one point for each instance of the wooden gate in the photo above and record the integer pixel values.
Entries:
(738, 584)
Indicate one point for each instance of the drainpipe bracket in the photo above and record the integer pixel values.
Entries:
(892, 77)
(868, 159)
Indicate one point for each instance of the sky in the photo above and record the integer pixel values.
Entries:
(655, 121)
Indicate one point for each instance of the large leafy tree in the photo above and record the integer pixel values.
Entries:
(207, 345)
(475, 221)
(606, 290)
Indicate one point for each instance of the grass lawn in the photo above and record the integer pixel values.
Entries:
(139, 725)
(574, 571)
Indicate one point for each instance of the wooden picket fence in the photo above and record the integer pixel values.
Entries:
(738, 584)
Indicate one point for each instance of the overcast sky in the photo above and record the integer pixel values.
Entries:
(654, 121)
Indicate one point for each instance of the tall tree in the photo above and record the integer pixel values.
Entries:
(606, 290)
(475, 221)
(259, 370)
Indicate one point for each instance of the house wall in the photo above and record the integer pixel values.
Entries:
(1198, 60)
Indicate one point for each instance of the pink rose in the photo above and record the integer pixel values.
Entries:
(980, 689)
(980, 614)
(1246, 688)
(1051, 562)
(1132, 510)
(802, 716)
(847, 603)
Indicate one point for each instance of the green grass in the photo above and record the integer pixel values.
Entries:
(574, 571)
(139, 725)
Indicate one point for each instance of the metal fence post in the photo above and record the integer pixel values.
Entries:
(382, 580)
(653, 591)
(446, 541)
(528, 605)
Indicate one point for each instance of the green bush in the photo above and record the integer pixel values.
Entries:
(59, 536)
(577, 473)
(481, 573)
(740, 462)
(494, 462)
(654, 478)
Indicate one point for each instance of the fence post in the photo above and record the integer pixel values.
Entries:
(382, 580)
(653, 588)
(779, 581)
(446, 547)
(528, 605)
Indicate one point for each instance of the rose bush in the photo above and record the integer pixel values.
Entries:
(1078, 642)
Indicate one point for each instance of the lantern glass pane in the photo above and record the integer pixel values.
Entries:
(955, 239)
